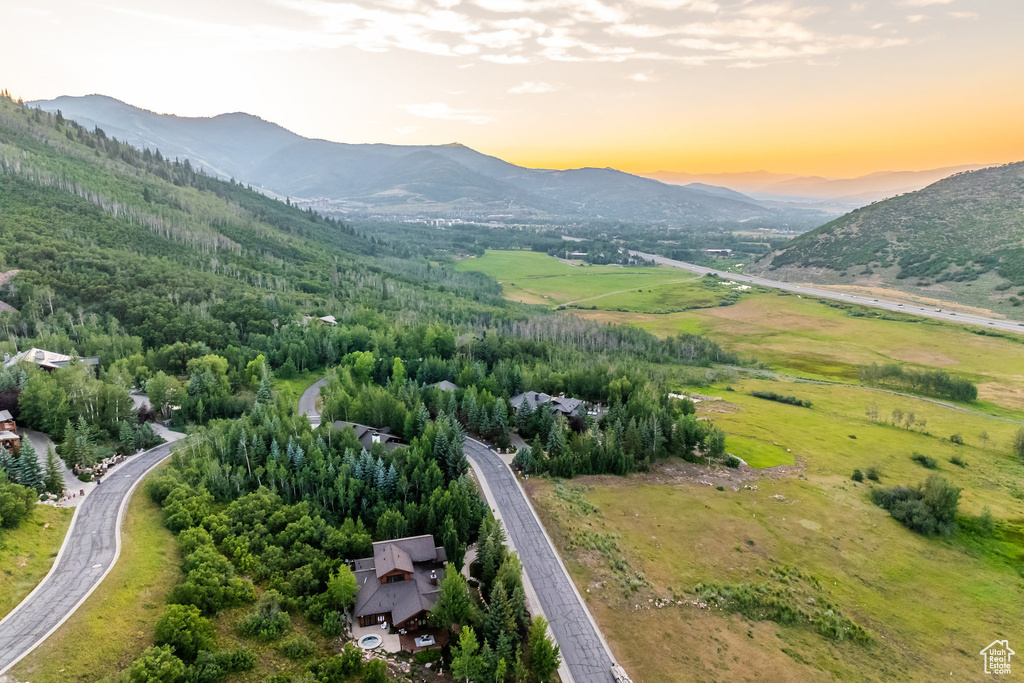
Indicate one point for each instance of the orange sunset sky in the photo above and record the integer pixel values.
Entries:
(834, 88)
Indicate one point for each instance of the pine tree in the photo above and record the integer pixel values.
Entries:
(556, 440)
(264, 395)
(54, 479)
(8, 464)
(29, 472)
(127, 438)
(500, 618)
(70, 444)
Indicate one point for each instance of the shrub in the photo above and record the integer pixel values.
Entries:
(958, 461)
(925, 461)
(957, 439)
(375, 672)
(427, 657)
(298, 647)
(779, 398)
(720, 488)
(333, 624)
(157, 665)
(873, 473)
(268, 621)
(185, 629)
(857, 475)
(732, 461)
(927, 509)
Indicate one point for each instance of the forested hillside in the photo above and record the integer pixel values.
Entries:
(961, 238)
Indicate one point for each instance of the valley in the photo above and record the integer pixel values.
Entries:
(795, 524)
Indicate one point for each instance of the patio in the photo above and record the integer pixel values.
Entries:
(390, 642)
(408, 640)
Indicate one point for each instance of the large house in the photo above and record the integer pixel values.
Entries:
(560, 404)
(400, 584)
(370, 435)
(9, 438)
(47, 360)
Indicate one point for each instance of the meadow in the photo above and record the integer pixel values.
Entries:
(536, 278)
(794, 529)
(928, 604)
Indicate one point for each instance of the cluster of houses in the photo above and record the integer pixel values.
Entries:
(559, 404)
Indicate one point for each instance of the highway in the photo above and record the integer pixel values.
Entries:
(934, 312)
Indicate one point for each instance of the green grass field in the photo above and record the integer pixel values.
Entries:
(929, 603)
(28, 552)
(533, 277)
(291, 389)
(116, 622)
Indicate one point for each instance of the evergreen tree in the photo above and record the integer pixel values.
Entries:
(556, 440)
(264, 395)
(126, 439)
(53, 482)
(8, 465)
(500, 618)
(29, 472)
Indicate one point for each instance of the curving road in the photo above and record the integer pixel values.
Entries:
(307, 402)
(90, 550)
(937, 313)
(584, 652)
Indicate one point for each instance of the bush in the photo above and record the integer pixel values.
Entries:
(426, 657)
(333, 624)
(186, 630)
(268, 621)
(857, 475)
(927, 509)
(298, 647)
(779, 398)
(957, 439)
(925, 461)
(157, 665)
(375, 671)
(958, 461)
(732, 461)
(873, 473)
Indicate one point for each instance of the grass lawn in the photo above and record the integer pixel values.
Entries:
(930, 604)
(291, 389)
(28, 552)
(116, 623)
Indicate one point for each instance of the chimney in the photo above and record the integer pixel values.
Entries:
(40, 355)
(433, 577)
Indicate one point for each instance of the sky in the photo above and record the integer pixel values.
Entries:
(813, 87)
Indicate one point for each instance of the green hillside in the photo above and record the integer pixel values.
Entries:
(960, 239)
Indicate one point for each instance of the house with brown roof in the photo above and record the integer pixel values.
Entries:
(400, 584)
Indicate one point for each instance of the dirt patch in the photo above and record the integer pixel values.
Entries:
(1011, 396)
(6, 277)
(677, 471)
(922, 356)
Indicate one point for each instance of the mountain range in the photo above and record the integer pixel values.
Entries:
(961, 239)
(381, 180)
(854, 192)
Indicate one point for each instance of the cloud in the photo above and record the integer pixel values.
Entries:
(964, 15)
(515, 32)
(914, 18)
(642, 77)
(532, 88)
(440, 110)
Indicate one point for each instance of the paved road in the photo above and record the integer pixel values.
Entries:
(940, 314)
(583, 650)
(307, 402)
(89, 552)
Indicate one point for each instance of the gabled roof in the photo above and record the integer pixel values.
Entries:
(534, 399)
(48, 359)
(445, 385)
(9, 436)
(5, 415)
(389, 557)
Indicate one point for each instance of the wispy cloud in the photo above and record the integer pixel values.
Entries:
(964, 15)
(532, 88)
(688, 32)
(440, 110)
